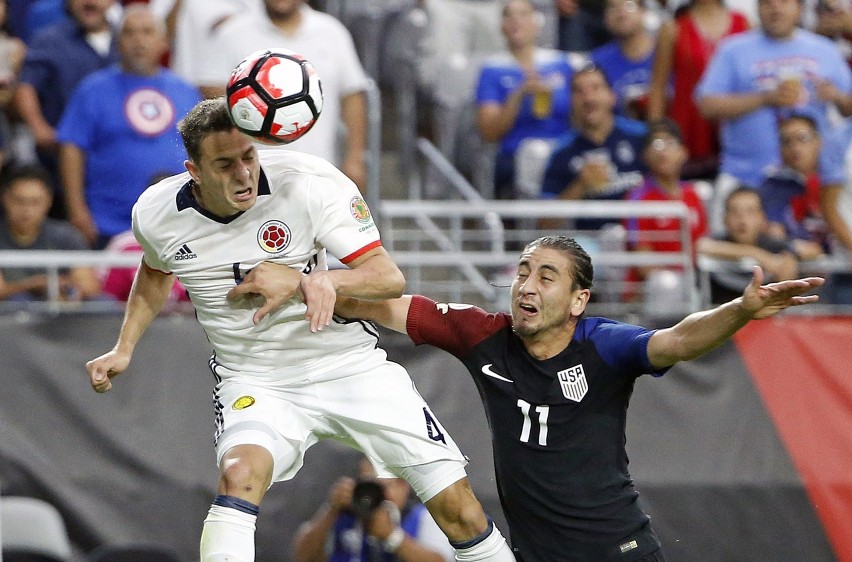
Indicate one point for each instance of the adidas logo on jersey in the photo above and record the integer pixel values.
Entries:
(185, 254)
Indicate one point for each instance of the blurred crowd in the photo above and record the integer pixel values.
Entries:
(739, 110)
(700, 102)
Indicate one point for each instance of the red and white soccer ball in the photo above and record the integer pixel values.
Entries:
(274, 95)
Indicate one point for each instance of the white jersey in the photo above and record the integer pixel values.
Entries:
(304, 206)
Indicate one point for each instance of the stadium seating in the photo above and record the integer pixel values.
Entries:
(531, 159)
(32, 530)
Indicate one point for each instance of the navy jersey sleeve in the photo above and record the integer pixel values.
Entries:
(624, 347)
(455, 328)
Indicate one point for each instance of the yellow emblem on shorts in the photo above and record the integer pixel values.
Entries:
(243, 402)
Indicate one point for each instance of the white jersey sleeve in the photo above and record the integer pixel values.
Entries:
(339, 219)
(151, 257)
(346, 227)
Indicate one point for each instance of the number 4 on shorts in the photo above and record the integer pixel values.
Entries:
(432, 428)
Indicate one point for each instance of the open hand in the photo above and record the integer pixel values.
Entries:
(763, 301)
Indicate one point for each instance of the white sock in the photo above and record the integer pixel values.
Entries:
(490, 547)
(228, 535)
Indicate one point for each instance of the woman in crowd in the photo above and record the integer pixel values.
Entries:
(684, 47)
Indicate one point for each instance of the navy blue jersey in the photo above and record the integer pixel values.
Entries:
(622, 150)
(558, 429)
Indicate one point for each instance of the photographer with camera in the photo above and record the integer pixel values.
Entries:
(371, 520)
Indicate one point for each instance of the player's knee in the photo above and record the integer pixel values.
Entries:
(246, 473)
(458, 512)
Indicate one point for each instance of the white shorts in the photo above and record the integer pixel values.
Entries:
(378, 412)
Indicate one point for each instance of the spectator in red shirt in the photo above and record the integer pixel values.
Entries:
(684, 47)
(664, 155)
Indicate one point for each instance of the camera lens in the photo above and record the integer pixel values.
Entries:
(367, 496)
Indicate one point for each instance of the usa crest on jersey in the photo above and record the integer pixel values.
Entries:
(573, 383)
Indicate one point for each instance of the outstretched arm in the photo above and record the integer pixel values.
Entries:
(700, 332)
(732, 106)
(150, 290)
(392, 314)
(781, 266)
(495, 119)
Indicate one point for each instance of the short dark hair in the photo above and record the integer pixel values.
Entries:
(743, 190)
(589, 68)
(662, 126)
(26, 172)
(800, 116)
(207, 117)
(581, 263)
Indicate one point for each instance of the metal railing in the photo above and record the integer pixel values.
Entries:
(445, 255)
(53, 262)
(457, 250)
(822, 266)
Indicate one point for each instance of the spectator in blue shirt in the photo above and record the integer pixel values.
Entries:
(627, 60)
(757, 78)
(371, 520)
(836, 188)
(579, 26)
(790, 192)
(119, 129)
(521, 94)
(601, 157)
(16, 16)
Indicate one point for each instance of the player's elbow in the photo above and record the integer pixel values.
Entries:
(395, 284)
(665, 348)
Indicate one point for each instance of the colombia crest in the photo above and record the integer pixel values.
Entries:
(273, 236)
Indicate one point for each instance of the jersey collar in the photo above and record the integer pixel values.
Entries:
(186, 200)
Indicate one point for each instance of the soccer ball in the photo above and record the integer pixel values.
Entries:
(274, 95)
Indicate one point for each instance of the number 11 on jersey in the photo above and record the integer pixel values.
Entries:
(543, 412)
